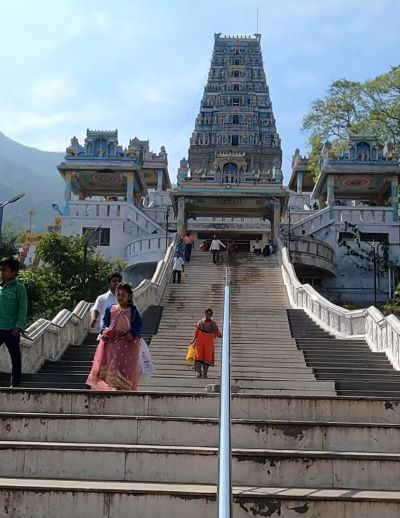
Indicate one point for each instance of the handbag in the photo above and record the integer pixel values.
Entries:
(191, 354)
(145, 361)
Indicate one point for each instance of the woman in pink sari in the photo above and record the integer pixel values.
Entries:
(116, 362)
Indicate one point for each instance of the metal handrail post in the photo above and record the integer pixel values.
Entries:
(224, 450)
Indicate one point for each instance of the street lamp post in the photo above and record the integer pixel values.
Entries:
(85, 249)
(2, 205)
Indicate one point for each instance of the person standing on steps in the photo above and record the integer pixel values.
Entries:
(215, 247)
(257, 247)
(180, 247)
(116, 362)
(205, 332)
(203, 247)
(189, 246)
(13, 311)
(178, 266)
(105, 300)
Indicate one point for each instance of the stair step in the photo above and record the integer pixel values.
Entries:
(191, 431)
(153, 463)
(39, 497)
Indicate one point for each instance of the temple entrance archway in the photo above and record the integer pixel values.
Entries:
(229, 172)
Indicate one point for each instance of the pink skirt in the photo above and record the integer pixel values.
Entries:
(115, 365)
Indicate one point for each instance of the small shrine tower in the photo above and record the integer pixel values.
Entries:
(108, 188)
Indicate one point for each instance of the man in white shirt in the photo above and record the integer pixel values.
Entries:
(215, 247)
(107, 299)
(178, 266)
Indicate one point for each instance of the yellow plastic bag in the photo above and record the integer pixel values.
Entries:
(191, 354)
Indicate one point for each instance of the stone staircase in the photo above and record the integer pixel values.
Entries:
(298, 448)
(355, 369)
(265, 357)
(154, 454)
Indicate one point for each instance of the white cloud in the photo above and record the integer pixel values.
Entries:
(141, 66)
(53, 90)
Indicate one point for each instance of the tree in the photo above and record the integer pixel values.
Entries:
(64, 256)
(8, 242)
(373, 258)
(59, 283)
(45, 296)
(353, 107)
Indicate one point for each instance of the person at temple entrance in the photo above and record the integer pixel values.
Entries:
(205, 332)
(233, 248)
(203, 247)
(215, 248)
(257, 247)
(189, 246)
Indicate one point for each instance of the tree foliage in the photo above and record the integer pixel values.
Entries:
(371, 107)
(361, 250)
(61, 282)
(8, 242)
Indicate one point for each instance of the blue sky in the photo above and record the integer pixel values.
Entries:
(141, 66)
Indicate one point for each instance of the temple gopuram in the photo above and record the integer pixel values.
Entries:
(235, 156)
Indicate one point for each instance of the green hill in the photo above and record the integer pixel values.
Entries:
(34, 172)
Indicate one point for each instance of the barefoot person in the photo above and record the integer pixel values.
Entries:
(204, 335)
(116, 362)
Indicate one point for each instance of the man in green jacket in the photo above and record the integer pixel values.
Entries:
(13, 307)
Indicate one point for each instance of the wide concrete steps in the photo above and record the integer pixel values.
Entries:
(120, 499)
(201, 432)
(355, 369)
(155, 463)
(123, 454)
(262, 362)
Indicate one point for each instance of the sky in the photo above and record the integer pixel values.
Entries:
(141, 66)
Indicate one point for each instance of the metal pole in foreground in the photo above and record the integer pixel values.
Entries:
(224, 452)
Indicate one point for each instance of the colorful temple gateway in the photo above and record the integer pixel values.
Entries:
(231, 184)
(235, 157)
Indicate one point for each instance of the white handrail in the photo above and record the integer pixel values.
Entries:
(381, 333)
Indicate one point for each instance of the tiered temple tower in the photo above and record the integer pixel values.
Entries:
(236, 120)
(235, 155)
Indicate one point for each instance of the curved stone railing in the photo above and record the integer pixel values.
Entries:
(151, 292)
(315, 221)
(47, 340)
(146, 249)
(311, 252)
(381, 333)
